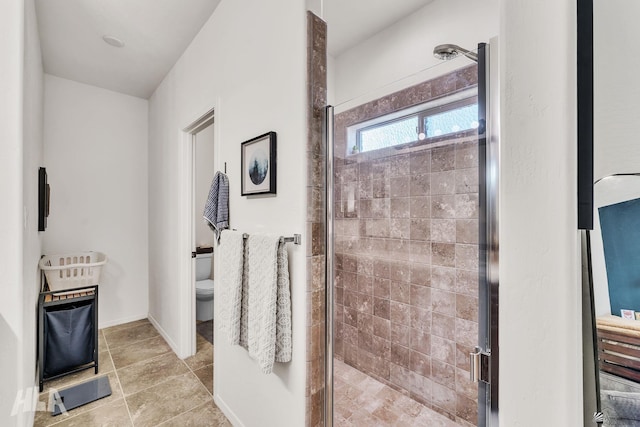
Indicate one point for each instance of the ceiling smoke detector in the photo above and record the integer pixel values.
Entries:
(113, 41)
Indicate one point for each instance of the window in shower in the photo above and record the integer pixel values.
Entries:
(424, 124)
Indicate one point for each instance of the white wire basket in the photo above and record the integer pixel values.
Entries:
(75, 270)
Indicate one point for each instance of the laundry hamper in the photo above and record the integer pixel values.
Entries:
(68, 314)
(71, 271)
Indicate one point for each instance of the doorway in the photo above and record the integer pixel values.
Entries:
(200, 161)
(204, 239)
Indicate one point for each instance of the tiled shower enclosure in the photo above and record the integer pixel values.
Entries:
(406, 243)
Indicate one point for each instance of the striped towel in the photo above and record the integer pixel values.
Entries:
(216, 210)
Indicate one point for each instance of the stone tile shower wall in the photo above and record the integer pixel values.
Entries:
(407, 258)
(317, 99)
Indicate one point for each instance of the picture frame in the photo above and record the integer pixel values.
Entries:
(627, 314)
(259, 165)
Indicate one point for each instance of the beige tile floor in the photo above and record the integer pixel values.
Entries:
(150, 385)
(361, 401)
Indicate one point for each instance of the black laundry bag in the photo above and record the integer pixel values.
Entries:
(68, 339)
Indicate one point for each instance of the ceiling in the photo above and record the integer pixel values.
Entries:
(156, 33)
(350, 22)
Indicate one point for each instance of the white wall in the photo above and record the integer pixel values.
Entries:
(20, 155)
(11, 247)
(404, 49)
(248, 61)
(540, 288)
(96, 157)
(32, 160)
(616, 106)
(205, 170)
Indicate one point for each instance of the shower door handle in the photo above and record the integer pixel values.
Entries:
(479, 366)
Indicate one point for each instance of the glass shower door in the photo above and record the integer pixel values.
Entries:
(409, 255)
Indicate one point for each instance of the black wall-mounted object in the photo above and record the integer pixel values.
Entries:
(44, 194)
(585, 113)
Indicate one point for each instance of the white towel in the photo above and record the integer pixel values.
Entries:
(283, 310)
(230, 283)
(269, 310)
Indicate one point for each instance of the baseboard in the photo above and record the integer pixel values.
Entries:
(164, 334)
(116, 322)
(231, 416)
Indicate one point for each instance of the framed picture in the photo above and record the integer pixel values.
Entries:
(627, 314)
(258, 162)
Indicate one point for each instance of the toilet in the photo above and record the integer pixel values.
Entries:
(204, 286)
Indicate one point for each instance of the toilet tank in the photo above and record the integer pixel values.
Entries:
(203, 266)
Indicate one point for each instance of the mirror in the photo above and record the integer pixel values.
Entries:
(613, 246)
(615, 261)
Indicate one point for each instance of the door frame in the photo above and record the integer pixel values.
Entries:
(489, 238)
(187, 300)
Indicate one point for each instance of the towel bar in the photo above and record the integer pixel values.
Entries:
(296, 239)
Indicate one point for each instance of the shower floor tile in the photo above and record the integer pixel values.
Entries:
(363, 401)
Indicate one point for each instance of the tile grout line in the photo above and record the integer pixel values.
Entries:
(156, 384)
(201, 384)
(115, 370)
(137, 342)
(140, 362)
(182, 413)
(198, 378)
(80, 381)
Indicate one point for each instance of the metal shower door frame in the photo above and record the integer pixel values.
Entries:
(489, 237)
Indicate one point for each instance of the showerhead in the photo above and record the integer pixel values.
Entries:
(447, 52)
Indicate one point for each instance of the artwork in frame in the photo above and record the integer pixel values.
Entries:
(258, 162)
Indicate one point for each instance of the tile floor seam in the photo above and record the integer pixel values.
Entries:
(134, 342)
(142, 341)
(190, 409)
(182, 413)
(154, 385)
(161, 382)
(63, 420)
(211, 393)
(145, 361)
(115, 370)
(200, 382)
(79, 414)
